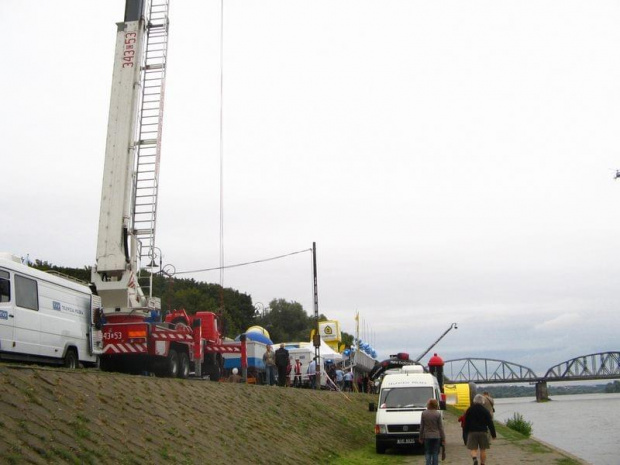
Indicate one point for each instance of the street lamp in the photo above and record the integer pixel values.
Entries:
(153, 254)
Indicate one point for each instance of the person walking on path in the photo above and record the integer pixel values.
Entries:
(489, 403)
(269, 358)
(432, 434)
(282, 362)
(478, 423)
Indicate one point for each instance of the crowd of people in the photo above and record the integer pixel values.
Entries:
(284, 370)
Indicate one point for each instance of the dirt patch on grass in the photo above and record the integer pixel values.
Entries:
(87, 416)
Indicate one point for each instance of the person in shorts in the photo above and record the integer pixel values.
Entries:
(478, 423)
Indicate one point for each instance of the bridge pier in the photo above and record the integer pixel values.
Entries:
(542, 395)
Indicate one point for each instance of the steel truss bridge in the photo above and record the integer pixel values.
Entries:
(604, 365)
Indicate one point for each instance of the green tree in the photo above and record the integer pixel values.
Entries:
(286, 321)
(235, 310)
(612, 387)
(347, 339)
(81, 274)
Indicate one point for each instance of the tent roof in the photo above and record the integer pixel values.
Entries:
(327, 353)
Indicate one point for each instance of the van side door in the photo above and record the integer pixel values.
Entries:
(7, 315)
(27, 318)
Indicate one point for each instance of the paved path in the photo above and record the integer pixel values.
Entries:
(503, 451)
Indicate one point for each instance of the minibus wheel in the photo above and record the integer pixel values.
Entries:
(71, 359)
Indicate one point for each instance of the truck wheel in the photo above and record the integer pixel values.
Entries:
(213, 371)
(71, 359)
(380, 448)
(183, 365)
(172, 364)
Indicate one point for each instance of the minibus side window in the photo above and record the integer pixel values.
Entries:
(5, 286)
(26, 294)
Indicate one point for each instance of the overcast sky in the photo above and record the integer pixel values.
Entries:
(454, 161)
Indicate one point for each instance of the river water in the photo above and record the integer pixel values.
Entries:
(585, 425)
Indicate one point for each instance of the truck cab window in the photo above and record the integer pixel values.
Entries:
(5, 286)
(26, 293)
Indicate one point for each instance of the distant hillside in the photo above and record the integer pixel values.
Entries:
(90, 417)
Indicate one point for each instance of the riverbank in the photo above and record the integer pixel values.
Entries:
(580, 424)
(86, 416)
(510, 448)
(82, 416)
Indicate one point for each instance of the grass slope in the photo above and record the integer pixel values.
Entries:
(91, 417)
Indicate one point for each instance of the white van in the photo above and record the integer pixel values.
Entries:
(402, 399)
(46, 318)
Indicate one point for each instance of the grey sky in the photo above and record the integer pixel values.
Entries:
(453, 160)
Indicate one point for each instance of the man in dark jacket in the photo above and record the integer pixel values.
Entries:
(478, 423)
(282, 362)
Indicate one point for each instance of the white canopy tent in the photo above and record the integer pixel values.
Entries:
(327, 353)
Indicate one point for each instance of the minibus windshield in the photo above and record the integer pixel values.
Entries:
(405, 397)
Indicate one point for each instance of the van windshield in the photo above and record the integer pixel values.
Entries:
(406, 397)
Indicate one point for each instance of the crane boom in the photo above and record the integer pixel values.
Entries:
(132, 343)
(453, 325)
(120, 236)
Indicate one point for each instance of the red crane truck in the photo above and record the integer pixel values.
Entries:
(133, 343)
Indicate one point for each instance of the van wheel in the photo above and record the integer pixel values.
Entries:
(183, 365)
(380, 448)
(71, 359)
(172, 364)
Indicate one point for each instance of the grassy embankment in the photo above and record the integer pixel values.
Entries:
(86, 416)
(90, 417)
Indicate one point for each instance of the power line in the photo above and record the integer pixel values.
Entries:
(246, 263)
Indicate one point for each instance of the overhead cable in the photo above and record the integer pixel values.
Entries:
(246, 263)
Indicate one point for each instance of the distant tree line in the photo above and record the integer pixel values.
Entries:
(612, 387)
(530, 391)
(285, 321)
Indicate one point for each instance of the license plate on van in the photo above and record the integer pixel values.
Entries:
(405, 441)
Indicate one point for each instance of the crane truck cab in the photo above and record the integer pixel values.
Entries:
(402, 399)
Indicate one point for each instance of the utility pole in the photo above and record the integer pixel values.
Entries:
(316, 340)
